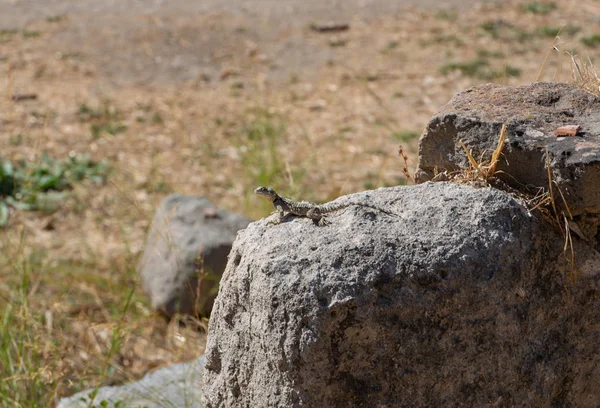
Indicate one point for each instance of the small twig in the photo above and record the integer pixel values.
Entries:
(405, 167)
(23, 97)
(329, 27)
(555, 42)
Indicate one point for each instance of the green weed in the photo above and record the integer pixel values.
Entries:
(500, 29)
(446, 15)
(55, 19)
(260, 150)
(105, 119)
(337, 42)
(16, 140)
(483, 53)
(26, 380)
(539, 7)
(552, 31)
(32, 357)
(112, 128)
(480, 68)
(42, 185)
(406, 135)
(106, 111)
(591, 40)
(30, 33)
(7, 35)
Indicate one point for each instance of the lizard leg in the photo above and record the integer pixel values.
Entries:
(316, 215)
(282, 216)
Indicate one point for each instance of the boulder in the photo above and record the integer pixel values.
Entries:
(186, 253)
(532, 114)
(459, 300)
(176, 386)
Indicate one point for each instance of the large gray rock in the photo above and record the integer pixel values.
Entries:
(459, 301)
(189, 239)
(532, 113)
(176, 386)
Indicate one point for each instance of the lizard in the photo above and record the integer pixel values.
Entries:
(316, 212)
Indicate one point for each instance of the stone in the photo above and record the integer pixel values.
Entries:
(532, 114)
(461, 300)
(176, 386)
(186, 253)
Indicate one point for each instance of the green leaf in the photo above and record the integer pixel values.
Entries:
(3, 214)
(48, 181)
(20, 204)
(6, 169)
(49, 202)
(7, 179)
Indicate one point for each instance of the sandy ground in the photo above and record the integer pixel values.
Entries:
(133, 41)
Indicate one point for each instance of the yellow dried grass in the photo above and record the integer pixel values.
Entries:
(487, 169)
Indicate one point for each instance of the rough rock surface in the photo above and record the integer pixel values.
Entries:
(176, 386)
(459, 301)
(532, 113)
(189, 238)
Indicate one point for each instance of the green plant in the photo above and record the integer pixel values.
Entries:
(41, 185)
(479, 68)
(106, 111)
(260, 143)
(448, 39)
(25, 379)
(447, 15)
(539, 7)
(55, 19)
(33, 372)
(6, 35)
(406, 135)
(591, 40)
(505, 30)
(484, 53)
(337, 42)
(16, 140)
(260, 149)
(552, 31)
(112, 128)
(104, 118)
(30, 33)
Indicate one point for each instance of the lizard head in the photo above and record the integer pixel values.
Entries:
(266, 192)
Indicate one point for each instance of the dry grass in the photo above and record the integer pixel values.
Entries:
(485, 169)
(585, 75)
(72, 311)
(545, 201)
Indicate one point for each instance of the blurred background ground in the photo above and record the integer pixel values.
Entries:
(212, 98)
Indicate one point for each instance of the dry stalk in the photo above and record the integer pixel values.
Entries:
(568, 249)
(200, 273)
(483, 168)
(555, 42)
(497, 152)
(585, 75)
(550, 189)
(405, 170)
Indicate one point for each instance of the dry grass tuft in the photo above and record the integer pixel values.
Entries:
(558, 214)
(483, 170)
(585, 75)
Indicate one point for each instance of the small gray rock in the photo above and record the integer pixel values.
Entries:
(189, 237)
(176, 386)
(459, 301)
